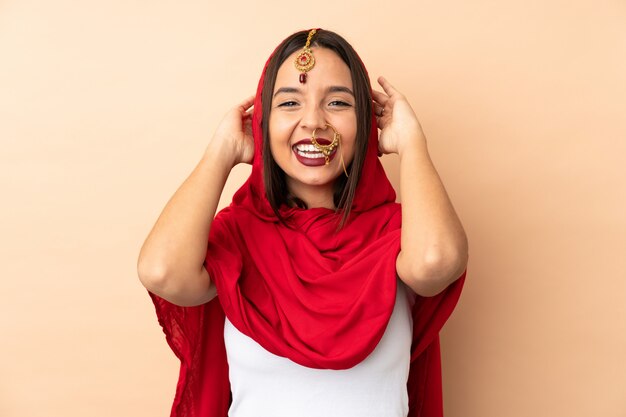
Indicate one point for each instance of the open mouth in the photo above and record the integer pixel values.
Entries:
(309, 155)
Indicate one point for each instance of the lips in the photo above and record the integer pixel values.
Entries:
(308, 155)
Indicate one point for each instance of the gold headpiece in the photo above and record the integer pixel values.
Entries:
(305, 60)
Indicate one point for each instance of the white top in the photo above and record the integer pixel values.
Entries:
(267, 385)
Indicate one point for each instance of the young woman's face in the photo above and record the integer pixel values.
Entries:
(298, 109)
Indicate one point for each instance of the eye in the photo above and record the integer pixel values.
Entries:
(288, 104)
(339, 103)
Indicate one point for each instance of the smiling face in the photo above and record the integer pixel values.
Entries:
(299, 109)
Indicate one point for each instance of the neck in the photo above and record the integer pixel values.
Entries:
(314, 196)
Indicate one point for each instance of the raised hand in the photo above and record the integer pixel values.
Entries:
(233, 136)
(396, 119)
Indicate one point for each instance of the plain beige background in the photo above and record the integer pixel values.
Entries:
(106, 107)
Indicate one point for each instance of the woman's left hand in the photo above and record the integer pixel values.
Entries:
(396, 120)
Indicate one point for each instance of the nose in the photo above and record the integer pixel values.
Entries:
(313, 118)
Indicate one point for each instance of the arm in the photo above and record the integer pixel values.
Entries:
(434, 247)
(170, 262)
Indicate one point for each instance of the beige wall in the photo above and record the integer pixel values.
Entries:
(105, 108)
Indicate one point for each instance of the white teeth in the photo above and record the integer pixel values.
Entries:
(308, 151)
(306, 148)
(310, 155)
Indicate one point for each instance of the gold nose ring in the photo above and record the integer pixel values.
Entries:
(326, 149)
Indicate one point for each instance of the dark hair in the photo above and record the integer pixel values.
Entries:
(273, 176)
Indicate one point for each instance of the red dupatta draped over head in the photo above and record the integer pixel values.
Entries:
(302, 289)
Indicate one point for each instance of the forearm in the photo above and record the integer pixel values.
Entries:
(176, 247)
(433, 242)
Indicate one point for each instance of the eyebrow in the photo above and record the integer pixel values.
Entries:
(331, 89)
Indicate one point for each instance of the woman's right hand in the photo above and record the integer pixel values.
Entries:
(233, 135)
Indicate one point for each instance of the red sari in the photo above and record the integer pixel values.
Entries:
(302, 291)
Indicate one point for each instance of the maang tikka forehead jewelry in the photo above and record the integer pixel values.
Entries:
(305, 60)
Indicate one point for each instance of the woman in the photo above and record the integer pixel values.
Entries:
(330, 294)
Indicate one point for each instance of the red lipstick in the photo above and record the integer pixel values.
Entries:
(307, 154)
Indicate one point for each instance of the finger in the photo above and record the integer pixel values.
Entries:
(386, 85)
(379, 103)
(247, 103)
(380, 97)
